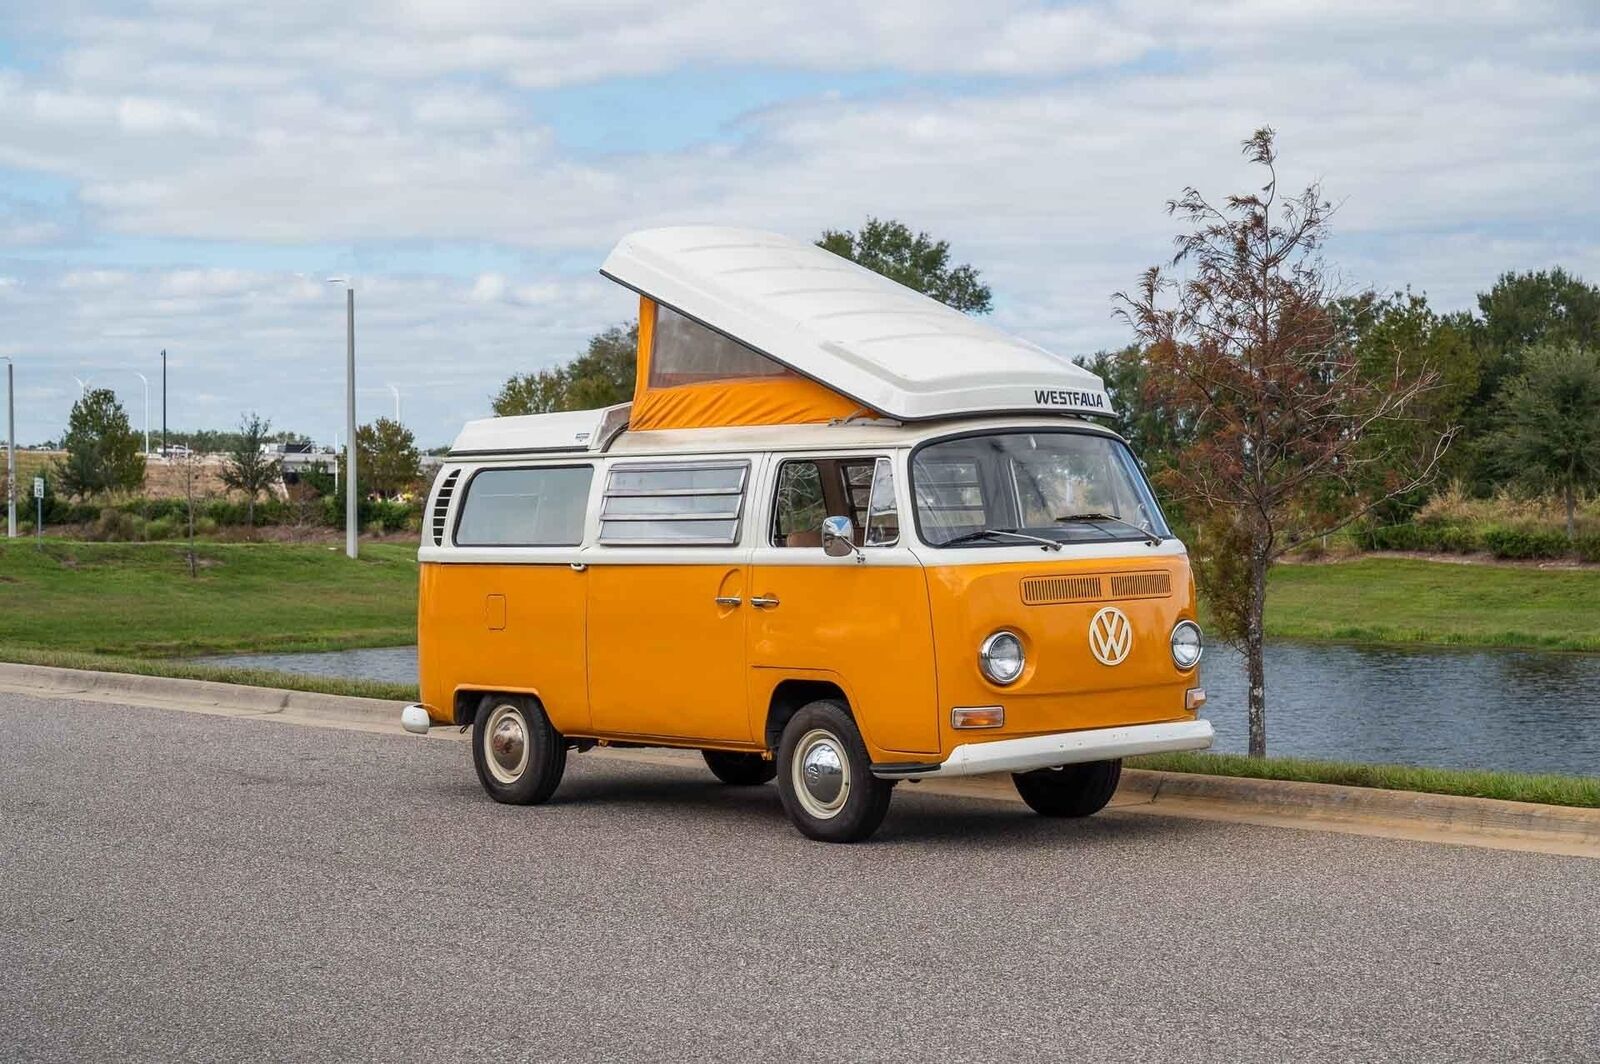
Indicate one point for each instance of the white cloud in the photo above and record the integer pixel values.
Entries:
(1041, 140)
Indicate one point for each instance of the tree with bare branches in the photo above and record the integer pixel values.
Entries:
(1290, 425)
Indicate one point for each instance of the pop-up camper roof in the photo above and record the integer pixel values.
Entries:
(742, 327)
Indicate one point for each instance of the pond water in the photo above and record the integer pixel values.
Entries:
(1523, 711)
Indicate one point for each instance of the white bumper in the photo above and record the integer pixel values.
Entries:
(1063, 748)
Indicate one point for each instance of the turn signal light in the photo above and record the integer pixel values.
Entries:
(1194, 698)
(978, 717)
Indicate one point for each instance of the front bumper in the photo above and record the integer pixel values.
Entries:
(414, 719)
(1062, 748)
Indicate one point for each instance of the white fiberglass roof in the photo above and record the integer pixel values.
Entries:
(576, 430)
(890, 348)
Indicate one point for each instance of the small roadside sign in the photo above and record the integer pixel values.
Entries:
(38, 487)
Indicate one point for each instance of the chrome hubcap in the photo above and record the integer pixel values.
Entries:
(505, 741)
(821, 774)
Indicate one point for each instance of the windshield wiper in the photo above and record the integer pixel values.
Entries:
(1090, 518)
(1004, 533)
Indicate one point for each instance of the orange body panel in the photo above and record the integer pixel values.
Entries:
(644, 652)
(866, 625)
(665, 659)
(1063, 687)
(504, 628)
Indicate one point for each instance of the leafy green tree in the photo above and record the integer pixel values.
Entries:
(102, 448)
(915, 260)
(1399, 337)
(1548, 423)
(602, 376)
(248, 468)
(387, 462)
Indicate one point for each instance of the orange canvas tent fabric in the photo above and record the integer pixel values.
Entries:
(777, 396)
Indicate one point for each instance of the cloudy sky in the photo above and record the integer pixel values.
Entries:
(183, 174)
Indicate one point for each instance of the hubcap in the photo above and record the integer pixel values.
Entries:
(505, 740)
(821, 774)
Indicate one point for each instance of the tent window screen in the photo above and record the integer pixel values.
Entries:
(682, 351)
(525, 507)
(674, 504)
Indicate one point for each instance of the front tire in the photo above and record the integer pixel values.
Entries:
(825, 776)
(740, 770)
(519, 755)
(1071, 790)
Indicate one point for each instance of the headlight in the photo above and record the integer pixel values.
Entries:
(1187, 645)
(1001, 658)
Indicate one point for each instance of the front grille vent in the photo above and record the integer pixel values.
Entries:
(1141, 585)
(441, 505)
(1096, 587)
(1043, 590)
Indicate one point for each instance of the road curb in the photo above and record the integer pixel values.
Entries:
(1446, 814)
(200, 693)
(1366, 810)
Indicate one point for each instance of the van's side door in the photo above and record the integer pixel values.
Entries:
(667, 590)
(862, 621)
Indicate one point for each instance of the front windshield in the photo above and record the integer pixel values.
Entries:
(1064, 486)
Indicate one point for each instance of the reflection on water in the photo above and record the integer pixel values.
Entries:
(1525, 711)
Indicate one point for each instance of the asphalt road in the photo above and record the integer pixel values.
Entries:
(184, 887)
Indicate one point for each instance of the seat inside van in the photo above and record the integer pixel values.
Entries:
(811, 489)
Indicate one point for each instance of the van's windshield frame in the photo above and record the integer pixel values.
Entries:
(1144, 522)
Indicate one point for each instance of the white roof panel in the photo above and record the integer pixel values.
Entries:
(888, 347)
(577, 430)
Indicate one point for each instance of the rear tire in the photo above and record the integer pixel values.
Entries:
(1071, 790)
(825, 776)
(740, 770)
(519, 755)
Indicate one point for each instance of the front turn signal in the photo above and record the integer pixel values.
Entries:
(978, 717)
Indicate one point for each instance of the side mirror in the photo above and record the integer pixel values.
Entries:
(838, 537)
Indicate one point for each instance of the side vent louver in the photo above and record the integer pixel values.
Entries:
(441, 505)
(1095, 587)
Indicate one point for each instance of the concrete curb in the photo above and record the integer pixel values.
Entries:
(140, 689)
(1362, 810)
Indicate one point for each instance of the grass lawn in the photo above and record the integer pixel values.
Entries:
(1583, 791)
(138, 600)
(1404, 600)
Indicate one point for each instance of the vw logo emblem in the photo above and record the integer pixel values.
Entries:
(1110, 636)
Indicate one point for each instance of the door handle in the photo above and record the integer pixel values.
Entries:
(761, 603)
(730, 601)
(577, 567)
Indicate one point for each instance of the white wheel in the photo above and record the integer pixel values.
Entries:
(505, 744)
(821, 773)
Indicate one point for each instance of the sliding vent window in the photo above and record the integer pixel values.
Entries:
(525, 507)
(678, 504)
(682, 351)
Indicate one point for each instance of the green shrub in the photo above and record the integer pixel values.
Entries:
(115, 526)
(1421, 536)
(1512, 542)
(203, 526)
(162, 528)
(1588, 547)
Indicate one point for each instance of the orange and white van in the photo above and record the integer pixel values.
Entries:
(843, 536)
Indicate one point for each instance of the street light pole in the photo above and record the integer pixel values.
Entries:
(163, 403)
(146, 382)
(351, 515)
(396, 392)
(11, 448)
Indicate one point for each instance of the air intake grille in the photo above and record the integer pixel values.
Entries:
(1095, 587)
(441, 505)
(1141, 585)
(1042, 590)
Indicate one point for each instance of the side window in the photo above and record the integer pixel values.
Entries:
(540, 507)
(883, 512)
(809, 490)
(800, 506)
(674, 503)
